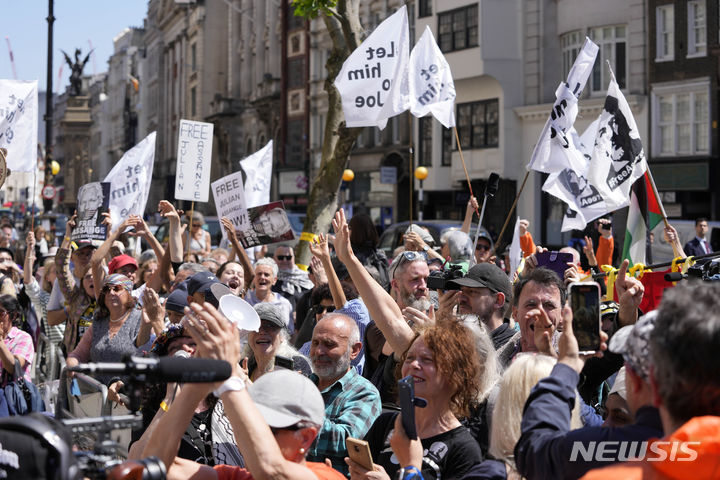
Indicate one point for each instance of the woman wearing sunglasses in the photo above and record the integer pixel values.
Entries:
(118, 329)
(200, 241)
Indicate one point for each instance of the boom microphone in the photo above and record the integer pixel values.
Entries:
(168, 369)
(491, 187)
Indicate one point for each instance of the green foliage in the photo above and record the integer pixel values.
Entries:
(311, 8)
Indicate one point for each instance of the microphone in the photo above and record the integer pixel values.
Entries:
(491, 187)
(675, 276)
(168, 369)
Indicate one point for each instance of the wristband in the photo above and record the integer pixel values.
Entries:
(408, 473)
(164, 406)
(232, 384)
(67, 238)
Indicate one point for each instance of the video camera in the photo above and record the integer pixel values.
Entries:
(438, 279)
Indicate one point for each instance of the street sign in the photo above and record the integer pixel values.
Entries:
(388, 174)
(48, 192)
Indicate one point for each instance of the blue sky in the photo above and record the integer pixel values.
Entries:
(77, 22)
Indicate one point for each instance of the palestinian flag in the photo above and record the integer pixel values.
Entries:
(644, 213)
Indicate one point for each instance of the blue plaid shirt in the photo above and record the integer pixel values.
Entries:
(351, 406)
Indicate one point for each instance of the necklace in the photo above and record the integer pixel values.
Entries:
(121, 317)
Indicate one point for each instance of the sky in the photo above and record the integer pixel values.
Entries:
(77, 24)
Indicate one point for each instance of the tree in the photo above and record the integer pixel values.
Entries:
(342, 20)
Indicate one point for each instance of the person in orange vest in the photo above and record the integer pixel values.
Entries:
(685, 378)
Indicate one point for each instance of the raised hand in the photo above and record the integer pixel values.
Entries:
(168, 210)
(319, 247)
(70, 225)
(343, 249)
(229, 228)
(30, 241)
(215, 336)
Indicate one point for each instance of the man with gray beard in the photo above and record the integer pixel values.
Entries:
(352, 403)
(485, 291)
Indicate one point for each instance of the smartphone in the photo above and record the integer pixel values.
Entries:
(555, 261)
(284, 362)
(359, 452)
(585, 304)
(406, 398)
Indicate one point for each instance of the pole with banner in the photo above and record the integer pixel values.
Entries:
(192, 177)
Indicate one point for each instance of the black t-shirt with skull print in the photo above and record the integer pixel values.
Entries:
(446, 456)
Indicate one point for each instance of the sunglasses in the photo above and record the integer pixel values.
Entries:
(323, 309)
(284, 257)
(196, 225)
(407, 256)
(480, 246)
(114, 288)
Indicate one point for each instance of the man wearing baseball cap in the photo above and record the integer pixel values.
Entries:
(545, 448)
(485, 291)
(274, 429)
(205, 287)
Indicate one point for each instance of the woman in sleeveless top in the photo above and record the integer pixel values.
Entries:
(117, 330)
(199, 239)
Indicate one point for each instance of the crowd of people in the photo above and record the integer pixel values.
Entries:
(503, 389)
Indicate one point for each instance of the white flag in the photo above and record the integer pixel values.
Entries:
(551, 151)
(258, 171)
(516, 253)
(430, 81)
(618, 158)
(19, 124)
(130, 181)
(373, 79)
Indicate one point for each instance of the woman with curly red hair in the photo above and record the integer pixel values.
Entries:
(443, 363)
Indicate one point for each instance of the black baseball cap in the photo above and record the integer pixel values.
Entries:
(486, 275)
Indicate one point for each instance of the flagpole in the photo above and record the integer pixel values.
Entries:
(462, 159)
(190, 220)
(32, 214)
(411, 162)
(512, 208)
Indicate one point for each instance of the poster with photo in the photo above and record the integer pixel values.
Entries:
(268, 224)
(93, 200)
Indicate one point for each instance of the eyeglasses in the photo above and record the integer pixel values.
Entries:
(322, 309)
(284, 257)
(481, 246)
(196, 225)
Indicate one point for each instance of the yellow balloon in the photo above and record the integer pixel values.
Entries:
(348, 175)
(54, 167)
(421, 173)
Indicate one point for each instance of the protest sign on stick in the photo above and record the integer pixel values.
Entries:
(19, 124)
(192, 174)
(266, 224)
(373, 80)
(93, 200)
(130, 181)
(229, 195)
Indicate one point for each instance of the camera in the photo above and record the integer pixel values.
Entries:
(438, 279)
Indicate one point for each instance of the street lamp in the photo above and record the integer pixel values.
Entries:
(421, 173)
(347, 176)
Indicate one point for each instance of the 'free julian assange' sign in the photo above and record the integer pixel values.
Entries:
(192, 174)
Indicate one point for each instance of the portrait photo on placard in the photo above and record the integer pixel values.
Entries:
(268, 224)
(93, 200)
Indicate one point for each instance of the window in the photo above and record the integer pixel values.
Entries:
(612, 43)
(665, 32)
(571, 43)
(425, 128)
(697, 44)
(447, 145)
(193, 57)
(296, 72)
(424, 8)
(458, 29)
(477, 124)
(295, 145)
(681, 120)
(193, 101)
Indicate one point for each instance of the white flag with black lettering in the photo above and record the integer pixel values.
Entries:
(430, 81)
(130, 181)
(258, 171)
(19, 124)
(373, 81)
(618, 158)
(554, 151)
